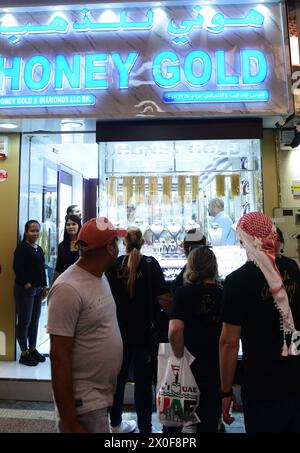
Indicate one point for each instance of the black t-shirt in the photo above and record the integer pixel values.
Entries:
(135, 313)
(29, 265)
(65, 257)
(178, 281)
(199, 307)
(248, 303)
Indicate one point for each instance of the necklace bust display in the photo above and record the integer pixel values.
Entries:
(157, 228)
(174, 228)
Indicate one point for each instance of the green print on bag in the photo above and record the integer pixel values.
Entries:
(178, 396)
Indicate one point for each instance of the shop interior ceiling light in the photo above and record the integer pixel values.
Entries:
(72, 124)
(8, 125)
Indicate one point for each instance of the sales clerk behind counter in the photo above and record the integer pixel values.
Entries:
(221, 231)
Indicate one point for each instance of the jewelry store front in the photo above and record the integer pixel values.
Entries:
(169, 104)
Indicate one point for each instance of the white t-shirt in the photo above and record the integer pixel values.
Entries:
(81, 306)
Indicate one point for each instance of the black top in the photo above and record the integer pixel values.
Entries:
(199, 307)
(65, 257)
(29, 265)
(178, 281)
(288, 260)
(248, 303)
(135, 314)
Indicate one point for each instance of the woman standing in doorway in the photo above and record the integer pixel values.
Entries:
(68, 252)
(29, 290)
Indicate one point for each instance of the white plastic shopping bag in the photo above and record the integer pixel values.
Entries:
(177, 391)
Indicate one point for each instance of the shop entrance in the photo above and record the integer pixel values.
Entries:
(164, 187)
(57, 170)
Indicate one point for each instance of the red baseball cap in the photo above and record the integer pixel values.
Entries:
(98, 232)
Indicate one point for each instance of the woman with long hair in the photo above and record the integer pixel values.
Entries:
(68, 252)
(29, 290)
(139, 289)
(196, 324)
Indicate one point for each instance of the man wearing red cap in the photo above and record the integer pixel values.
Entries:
(86, 345)
(262, 306)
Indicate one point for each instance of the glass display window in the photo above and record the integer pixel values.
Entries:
(167, 188)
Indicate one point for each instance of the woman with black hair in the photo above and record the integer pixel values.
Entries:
(68, 252)
(29, 290)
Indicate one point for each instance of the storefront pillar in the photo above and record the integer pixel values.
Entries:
(9, 196)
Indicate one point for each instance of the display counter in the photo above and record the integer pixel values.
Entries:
(229, 258)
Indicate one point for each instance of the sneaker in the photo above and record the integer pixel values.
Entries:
(126, 426)
(37, 356)
(27, 359)
(191, 428)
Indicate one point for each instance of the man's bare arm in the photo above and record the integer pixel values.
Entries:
(228, 347)
(62, 383)
(176, 336)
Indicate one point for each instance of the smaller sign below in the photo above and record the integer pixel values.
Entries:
(3, 175)
(183, 97)
(56, 100)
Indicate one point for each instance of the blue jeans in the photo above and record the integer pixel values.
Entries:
(28, 306)
(143, 396)
(279, 416)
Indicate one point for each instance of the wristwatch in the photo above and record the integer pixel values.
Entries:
(226, 394)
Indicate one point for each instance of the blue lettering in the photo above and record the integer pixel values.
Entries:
(96, 71)
(204, 59)
(65, 73)
(37, 73)
(166, 70)
(124, 68)
(222, 77)
(13, 73)
(253, 75)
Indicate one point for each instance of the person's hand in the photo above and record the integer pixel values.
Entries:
(27, 285)
(226, 407)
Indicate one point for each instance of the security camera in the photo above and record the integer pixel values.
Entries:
(283, 121)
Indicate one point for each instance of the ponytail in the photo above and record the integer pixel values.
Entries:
(133, 242)
(133, 263)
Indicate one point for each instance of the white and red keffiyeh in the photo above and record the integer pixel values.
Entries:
(259, 237)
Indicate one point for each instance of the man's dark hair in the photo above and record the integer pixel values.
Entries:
(280, 235)
(70, 209)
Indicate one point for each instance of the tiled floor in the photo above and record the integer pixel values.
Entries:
(25, 416)
(14, 370)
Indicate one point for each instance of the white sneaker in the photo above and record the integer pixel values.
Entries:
(126, 426)
(191, 428)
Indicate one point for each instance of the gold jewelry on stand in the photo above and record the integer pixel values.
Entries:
(181, 188)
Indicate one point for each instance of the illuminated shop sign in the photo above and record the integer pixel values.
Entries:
(116, 62)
